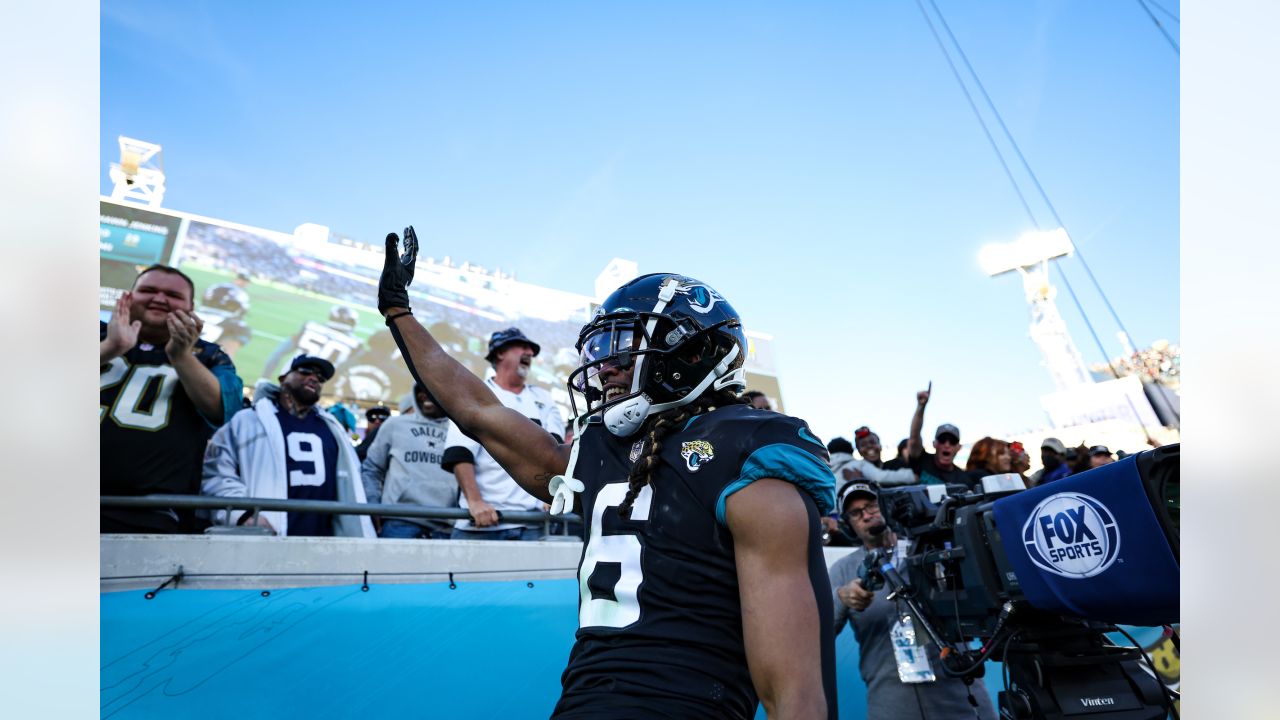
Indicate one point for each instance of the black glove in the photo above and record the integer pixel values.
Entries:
(397, 271)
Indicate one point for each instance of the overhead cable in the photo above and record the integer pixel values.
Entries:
(1021, 157)
(978, 114)
(1166, 12)
(1160, 26)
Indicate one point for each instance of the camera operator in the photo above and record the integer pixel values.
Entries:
(901, 669)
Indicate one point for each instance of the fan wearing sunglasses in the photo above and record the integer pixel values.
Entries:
(286, 447)
(938, 466)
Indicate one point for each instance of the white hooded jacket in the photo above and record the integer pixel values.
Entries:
(842, 462)
(245, 458)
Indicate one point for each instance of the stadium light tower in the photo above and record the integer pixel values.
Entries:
(1029, 256)
(139, 176)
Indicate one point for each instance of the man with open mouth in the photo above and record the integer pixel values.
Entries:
(486, 490)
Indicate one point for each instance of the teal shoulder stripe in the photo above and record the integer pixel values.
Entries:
(789, 463)
(806, 435)
(232, 390)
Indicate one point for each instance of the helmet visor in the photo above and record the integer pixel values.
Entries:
(608, 345)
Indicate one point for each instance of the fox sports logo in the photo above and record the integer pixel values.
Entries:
(1072, 535)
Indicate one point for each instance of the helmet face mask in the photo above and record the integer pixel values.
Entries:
(679, 336)
(342, 317)
(227, 298)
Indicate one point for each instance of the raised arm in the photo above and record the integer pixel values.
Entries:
(121, 332)
(915, 445)
(527, 452)
(781, 623)
(215, 390)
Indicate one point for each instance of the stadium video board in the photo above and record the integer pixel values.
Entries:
(266, 296)
(130, 238)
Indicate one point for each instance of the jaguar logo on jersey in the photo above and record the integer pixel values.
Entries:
(1072, 535)
(697, 453)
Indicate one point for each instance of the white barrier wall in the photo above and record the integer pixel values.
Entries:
(130, 562)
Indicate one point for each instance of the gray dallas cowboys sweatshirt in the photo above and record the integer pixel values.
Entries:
(403, 466)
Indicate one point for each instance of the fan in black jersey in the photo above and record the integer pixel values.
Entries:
(163, 392)
(333, 340)
(703, 588)
(223, 309)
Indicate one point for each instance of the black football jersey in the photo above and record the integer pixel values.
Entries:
(660, 620)
(222, 328)
(153, 438)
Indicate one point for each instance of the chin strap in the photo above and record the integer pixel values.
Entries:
(737, 377)
(563, 487)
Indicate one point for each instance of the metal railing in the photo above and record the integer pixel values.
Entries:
(203, 502)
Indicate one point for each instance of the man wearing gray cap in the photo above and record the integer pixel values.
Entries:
(1053, 456)
(938, 466)
(903, 674)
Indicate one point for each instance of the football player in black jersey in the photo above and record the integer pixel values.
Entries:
(703, 588)
(223, 309)
(333, 340)
(163, 392)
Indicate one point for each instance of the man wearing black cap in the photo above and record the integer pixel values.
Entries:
(903, 673)
(938, 466)
(487, 489)
(284, 447)
(1100, 455)
(375, 415)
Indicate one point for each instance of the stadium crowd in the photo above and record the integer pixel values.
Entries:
(163, 434)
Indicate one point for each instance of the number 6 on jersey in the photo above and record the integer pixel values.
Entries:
(610, 576)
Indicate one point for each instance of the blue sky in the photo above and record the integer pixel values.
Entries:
(815, 162)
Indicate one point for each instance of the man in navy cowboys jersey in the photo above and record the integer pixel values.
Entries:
(285, 447)
(703, 589)
(163, 392)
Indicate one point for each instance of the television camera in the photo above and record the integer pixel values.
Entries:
(1039, 577)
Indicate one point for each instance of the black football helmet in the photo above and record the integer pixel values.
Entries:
(342, 317)
(228, 298)
(682, 337)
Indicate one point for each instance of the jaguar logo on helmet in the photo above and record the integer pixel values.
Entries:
(701, 297)
(697, 453)
(1072, 535)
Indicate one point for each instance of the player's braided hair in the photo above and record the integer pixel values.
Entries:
(660, 426)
